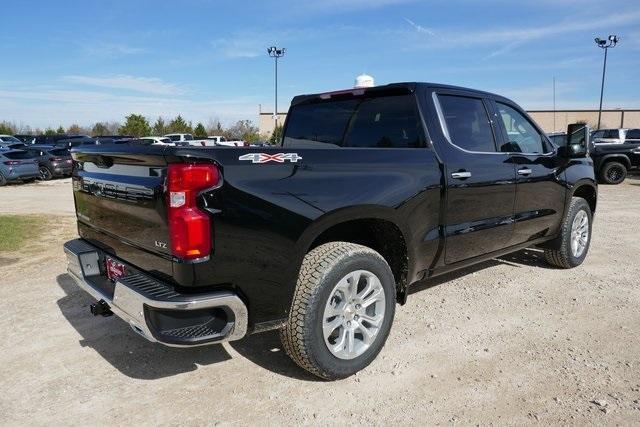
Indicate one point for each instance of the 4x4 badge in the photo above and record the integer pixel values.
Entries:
(265, 158)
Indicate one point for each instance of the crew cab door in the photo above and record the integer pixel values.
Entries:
(540, 194)
(480, 179)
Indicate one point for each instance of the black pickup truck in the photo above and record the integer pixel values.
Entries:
(612, 160)
(369, 191)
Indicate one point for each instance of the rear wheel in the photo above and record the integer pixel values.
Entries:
(613, 173)
(342, 310)
(45, 173)
(3, 180)
(575, 237)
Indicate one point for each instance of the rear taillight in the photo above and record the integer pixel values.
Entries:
(12, 162)
(189, 227)
(56, 159)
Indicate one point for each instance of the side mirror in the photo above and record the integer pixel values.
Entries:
(578, 140)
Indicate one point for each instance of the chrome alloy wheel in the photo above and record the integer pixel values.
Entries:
(353, 314)
(579, 233)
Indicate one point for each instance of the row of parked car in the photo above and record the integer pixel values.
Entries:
(614, 152)
(30, 157)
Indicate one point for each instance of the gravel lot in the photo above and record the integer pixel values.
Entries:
(510, 341)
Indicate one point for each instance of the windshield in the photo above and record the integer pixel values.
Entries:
(9, 139)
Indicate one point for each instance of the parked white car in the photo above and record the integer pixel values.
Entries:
(156, 140)
(185, 139)
(221, 140)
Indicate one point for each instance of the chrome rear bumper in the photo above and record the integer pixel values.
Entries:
(153, 308)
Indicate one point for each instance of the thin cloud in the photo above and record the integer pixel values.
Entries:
(419, 28)
(111, 50)
(510, 38)
(150, 85)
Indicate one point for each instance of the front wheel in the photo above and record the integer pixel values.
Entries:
(342, 310)
(575, 236)
(613, 173)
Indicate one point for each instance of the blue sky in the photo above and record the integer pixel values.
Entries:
(70, 62)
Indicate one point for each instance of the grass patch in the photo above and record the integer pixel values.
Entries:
(16, 230)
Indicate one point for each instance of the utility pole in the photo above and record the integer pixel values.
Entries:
(554, 103)
(604, 44)
(276, 52)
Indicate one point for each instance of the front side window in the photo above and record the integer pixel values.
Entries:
(380, 122)
(468, 123)
(522, 136)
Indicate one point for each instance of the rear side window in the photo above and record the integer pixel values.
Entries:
(60, 152)
(468, 123)
(17, 155)
(380, 122)
(611, 133)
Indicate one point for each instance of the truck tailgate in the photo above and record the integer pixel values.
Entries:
(120, 198)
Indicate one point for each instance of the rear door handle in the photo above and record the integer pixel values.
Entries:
(461, 175)
(524, 171)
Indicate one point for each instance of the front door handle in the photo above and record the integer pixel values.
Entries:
(461, 175)
(524, 171)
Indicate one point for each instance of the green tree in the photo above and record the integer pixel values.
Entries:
(199, 131)
(99, 129)
(276, 136)
(49, 131)
(179, 125)
(244, 130)
(135, 125)
(60, 130)
(159, 127)
(6, 128)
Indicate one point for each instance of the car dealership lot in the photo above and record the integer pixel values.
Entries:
(508, 341)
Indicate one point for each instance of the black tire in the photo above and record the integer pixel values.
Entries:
(321, 270)
(45, 173)
(562, 256)
(613, 173)
(3, 180)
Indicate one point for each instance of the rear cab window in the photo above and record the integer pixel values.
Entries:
(390, 121)
(466, 123)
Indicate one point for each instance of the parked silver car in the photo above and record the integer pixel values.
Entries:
(17, 165)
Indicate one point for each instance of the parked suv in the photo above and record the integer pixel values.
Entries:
(612, 159)
(52, 162)
(17, 165)
(370, 191)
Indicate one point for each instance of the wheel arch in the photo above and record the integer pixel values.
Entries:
(621, 158)
(376, 227)
(587, 190)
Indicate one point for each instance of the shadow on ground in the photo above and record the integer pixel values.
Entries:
(137, 358)
(526, 257)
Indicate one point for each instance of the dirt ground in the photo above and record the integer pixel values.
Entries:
(510, 341)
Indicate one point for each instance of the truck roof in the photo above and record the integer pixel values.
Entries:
(398, 88)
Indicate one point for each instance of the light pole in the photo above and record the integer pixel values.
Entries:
(605, 44)
(276, 52)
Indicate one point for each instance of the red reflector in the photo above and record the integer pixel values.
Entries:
(189, 227)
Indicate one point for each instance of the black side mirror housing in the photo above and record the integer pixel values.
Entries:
(578, 141)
